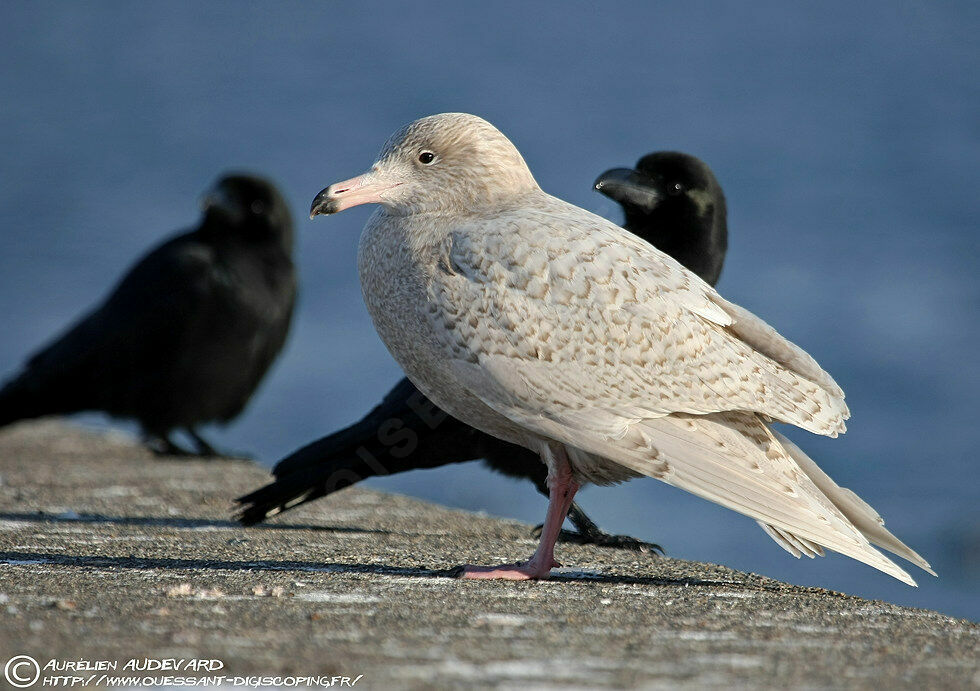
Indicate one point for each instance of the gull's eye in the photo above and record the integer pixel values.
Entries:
(427, 157)
(257, 207)
(675, 189)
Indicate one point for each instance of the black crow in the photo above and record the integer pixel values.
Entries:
(187, 335)
(671, 200)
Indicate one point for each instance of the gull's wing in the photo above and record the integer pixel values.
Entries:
(587, 315)
(614, 349)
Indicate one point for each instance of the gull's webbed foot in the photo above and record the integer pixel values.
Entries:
(532, 569)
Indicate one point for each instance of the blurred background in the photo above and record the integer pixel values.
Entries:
(846, 137)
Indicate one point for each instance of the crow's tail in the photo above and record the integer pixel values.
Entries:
(363, 450)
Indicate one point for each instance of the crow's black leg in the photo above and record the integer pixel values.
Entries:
(163, 445)
(590, 534)
(204, 448)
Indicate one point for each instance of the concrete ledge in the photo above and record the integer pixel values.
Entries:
(107, 553)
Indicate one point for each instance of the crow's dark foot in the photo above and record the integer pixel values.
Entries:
(223, 456)
(214, 455)
(206, 450)
(601, 539)
(164, 446)
(590, 534)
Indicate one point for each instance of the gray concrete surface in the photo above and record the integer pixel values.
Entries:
(107, 553)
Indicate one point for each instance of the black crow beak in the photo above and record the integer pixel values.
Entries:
(628, 187)
(219, 203)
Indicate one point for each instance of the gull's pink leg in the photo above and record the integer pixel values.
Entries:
(562, 488)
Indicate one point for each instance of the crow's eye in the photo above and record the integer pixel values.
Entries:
(427, 157)
(257, 207)
(675, 189)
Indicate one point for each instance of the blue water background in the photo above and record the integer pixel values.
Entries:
(846, 135)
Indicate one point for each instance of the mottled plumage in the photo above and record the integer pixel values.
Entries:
(670, 199)
(550, 327)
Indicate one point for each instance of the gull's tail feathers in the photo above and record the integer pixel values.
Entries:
(857, 511)
(734, 459)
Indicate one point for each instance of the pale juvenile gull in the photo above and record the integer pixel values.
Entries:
(542, 324)
(670, 199)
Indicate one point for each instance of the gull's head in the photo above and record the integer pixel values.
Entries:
(448, 163)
